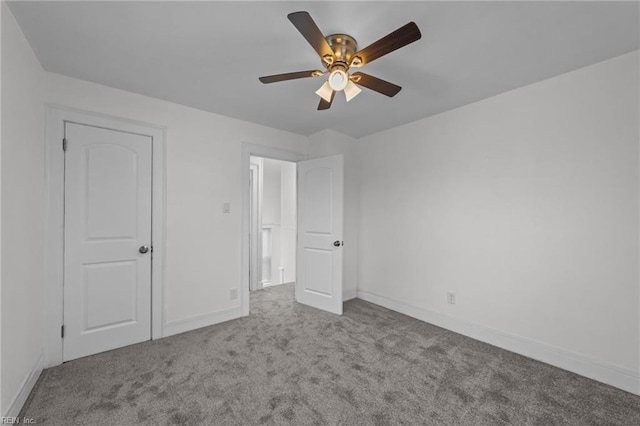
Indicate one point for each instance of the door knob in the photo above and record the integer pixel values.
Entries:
(143, 249)
(336, 243)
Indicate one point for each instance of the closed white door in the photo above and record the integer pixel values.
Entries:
(319, 260)
(107, 240)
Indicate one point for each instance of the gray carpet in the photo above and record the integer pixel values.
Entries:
(290, 364)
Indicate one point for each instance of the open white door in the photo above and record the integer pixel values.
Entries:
(319, 259)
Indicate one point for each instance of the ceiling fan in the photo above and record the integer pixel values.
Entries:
(339, 53)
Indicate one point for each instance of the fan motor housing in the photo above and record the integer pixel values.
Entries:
(343, 46)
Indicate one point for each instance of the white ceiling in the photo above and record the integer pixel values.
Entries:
(209, 55)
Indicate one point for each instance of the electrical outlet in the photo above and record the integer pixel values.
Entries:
(233, 293)
(226, 208)
(451, 297)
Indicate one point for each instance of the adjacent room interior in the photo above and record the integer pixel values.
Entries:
(320, 213)
(273, 218)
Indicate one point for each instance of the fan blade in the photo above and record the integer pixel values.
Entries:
(290, 76)
(374, 83)
(324, 104)
(387, 44)
(310, 31)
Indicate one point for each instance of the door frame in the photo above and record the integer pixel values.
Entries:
(255, 217)
(255, 150)
(53, 312)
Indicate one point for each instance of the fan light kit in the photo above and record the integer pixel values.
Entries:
(338, 80)
(339, 53)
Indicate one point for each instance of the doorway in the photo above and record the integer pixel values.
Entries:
(107, 240)
(273, 217)
(319, 217)
(135, 310)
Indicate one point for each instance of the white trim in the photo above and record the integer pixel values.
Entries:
(248, 150)
(25, 389)
(619, 377)
(256, 167)
(199, 321)
(56, 116)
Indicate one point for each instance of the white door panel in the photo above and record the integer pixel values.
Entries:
(320, 209)
(319, 201)
(110, 297)
(107, 284)
(318, 273)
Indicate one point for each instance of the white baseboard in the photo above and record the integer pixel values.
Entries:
(619, 377)
(204, 320)
(25, 389)
(272, 284)
(349, 294)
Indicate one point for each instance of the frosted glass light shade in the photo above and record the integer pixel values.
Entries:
(351, 91)
(325, 91)
(338, 80)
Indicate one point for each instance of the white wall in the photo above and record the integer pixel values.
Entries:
(203, 172)
(22, 177)
(525, 205)
(326, 143)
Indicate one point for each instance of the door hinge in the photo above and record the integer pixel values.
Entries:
(62, 331)
(64, 144)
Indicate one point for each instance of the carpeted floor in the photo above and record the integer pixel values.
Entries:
(290, 364)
